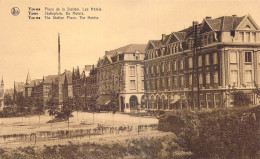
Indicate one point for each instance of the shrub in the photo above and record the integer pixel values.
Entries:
(222, 133)
(241, 99)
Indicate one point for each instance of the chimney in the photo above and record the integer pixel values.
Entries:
(207, 18)
(195, 23)
(163, 37)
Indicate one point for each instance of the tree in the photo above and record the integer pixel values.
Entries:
(93, 104)
(29, 103)
(241, 99)
(52, 107)
(8, 100)
(39, 108)
(20, 102)
(67, 109)
(113, 104)
(78, 104)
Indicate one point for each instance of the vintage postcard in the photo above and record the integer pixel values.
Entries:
(106, 79)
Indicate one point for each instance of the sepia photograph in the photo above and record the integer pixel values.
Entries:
(130, 79)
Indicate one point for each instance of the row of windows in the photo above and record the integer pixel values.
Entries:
(248, 57)
(181, 79)
(132, 70)
(133, 84)
(247, 36)
(181, 63)
(248, 80)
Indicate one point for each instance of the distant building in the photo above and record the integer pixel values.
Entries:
(121, 71)
(91, 87)
(66, 85)
(28, 86)
(42, 89)
(79, 83)
(2, 94)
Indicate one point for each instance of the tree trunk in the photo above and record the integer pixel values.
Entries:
(51, 123)
(39, 120)
(69, 123)
(113, 120)
(93, 118)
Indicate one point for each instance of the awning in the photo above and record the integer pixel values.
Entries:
(103, 99)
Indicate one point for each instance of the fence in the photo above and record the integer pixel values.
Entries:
(100, 131)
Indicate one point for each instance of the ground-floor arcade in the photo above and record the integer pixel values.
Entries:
(131, 102)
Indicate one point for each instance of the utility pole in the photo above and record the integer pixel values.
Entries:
(196, 45)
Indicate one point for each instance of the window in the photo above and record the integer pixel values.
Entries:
(182, 80)
(142, 71)
(247, 37)
(174, 79)
(163, 83)
(157, 84)
(181, 64)
(253, 37)
(163, 67)
(208, 78)
(174, 65)
(258, 57)
(234, 77)
(210, 39)
(215, 58)
(248, 77)
(200, 61)
(241, 36)
(169, 66)
(157, 69)
(142, 84)
(132, 84)
(207, 59)
(216, 77)
(208, 98)
(205, 38)
(233, 57)
(200, 78)
(132, 70)
(248, 56)
(217, 100)
(190, 79)
(190, 62)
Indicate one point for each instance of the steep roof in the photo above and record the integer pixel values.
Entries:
(50, 78)
(156, 43)
(131, 48)
(68, 75)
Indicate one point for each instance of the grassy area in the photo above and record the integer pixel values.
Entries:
(153, 147)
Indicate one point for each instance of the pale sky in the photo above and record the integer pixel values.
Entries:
(32, 44)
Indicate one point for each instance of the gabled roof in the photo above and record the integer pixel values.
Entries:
(154, 43)
(229, 23)
(68, 75)
(48, 79)
(167, 37)
(131, 48)
(180, 35)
